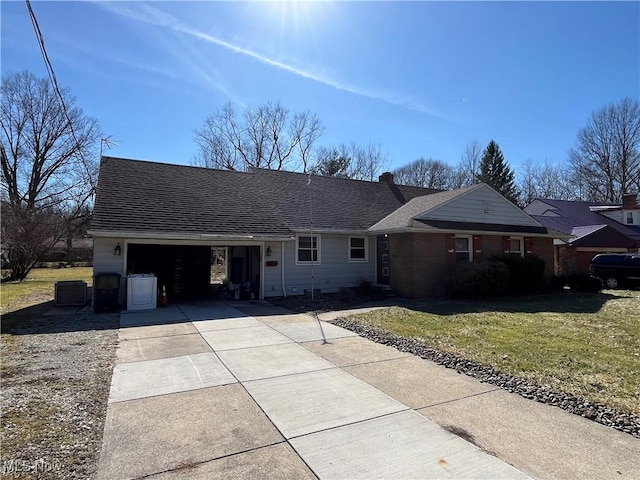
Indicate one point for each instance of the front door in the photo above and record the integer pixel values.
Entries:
(383, 259)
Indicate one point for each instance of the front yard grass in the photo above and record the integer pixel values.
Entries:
(38, 287)
(585, 344)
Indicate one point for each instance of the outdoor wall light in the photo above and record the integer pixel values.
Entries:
(117, 251)
(268, 251)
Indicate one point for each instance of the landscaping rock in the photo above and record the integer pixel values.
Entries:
(620, 420)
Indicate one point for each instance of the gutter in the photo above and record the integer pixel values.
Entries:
(464, 232)
(330, 231)
(182, 236)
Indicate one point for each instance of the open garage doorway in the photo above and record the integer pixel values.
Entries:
(188, 272)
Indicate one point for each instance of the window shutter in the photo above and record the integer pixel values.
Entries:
(477, 247)
(528, 246)
(506, 245)
(451, 248)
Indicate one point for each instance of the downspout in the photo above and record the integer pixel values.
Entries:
(284, 290)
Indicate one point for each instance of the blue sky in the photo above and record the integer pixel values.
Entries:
(421, 79)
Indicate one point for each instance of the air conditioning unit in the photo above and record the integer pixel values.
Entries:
(71, 292)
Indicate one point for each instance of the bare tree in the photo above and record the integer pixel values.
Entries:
(48, 166)
(606, 159)
(266, 137)
(359, 162)
(426, 173)
(546, 180)
(466, 173)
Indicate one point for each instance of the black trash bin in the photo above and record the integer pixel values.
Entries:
(106, 292)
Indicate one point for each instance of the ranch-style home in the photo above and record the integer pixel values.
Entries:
(207, 233)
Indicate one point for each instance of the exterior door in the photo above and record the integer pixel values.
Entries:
(383, 259)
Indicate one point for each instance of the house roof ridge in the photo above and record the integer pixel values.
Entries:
(586, 202)
(167, 164)
(271, 171)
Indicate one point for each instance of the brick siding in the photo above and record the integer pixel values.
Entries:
(419, 260)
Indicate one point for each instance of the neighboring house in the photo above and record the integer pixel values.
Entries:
(287, 232)
(80, 250)
(589, 228)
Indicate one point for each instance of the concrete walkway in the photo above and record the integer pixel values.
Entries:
(252, 391)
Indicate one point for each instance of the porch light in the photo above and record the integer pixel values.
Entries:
(117, 251)
(268, 251)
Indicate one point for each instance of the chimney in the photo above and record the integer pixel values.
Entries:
(386, 177)
(628, 201)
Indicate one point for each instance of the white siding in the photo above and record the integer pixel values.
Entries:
(482, 205)
(333, 272)
(273, 275)
(104, 261)
(619, 216)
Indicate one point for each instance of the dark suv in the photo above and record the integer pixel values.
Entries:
(616, 269)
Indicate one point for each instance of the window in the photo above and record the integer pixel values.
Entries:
(515, 246)
(308, 247)
(463, 249)
(358, 251)
(630, 218)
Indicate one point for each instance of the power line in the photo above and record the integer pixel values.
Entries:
(54, 81)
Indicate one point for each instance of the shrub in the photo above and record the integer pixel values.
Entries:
(526, 275)
(583, 282)
(347, 295)
(364, 286)
(478, 278)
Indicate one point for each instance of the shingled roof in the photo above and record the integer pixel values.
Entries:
(565, 216)
(144, 197)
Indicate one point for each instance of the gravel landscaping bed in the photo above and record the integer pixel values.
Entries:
(621, 420)
(56, 373)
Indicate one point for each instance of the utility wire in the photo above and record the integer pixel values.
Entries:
(54, 81)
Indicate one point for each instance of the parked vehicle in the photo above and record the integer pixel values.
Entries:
(616, 269)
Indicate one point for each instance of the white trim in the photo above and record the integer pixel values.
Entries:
(389, 231)
(470, 246)
(125, 256)
(204, 243)
(366, 249)
(284, 289)
(133, 234)
(332, 231)
(521, 252)
(625, 217)
(318, 249)
(262, 261)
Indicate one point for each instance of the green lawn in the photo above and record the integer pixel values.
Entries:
(586, 344)
(38, 286)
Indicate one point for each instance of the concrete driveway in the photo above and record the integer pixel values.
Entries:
(252, 391)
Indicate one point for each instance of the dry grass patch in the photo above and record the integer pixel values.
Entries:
(38, 287)
(585, 344)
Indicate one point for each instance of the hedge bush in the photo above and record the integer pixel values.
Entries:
(583, 282)
(478, 278)
(526, 275)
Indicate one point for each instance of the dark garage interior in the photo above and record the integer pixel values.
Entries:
(186, 270)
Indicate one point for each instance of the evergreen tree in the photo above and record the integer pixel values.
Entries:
(495, 171)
